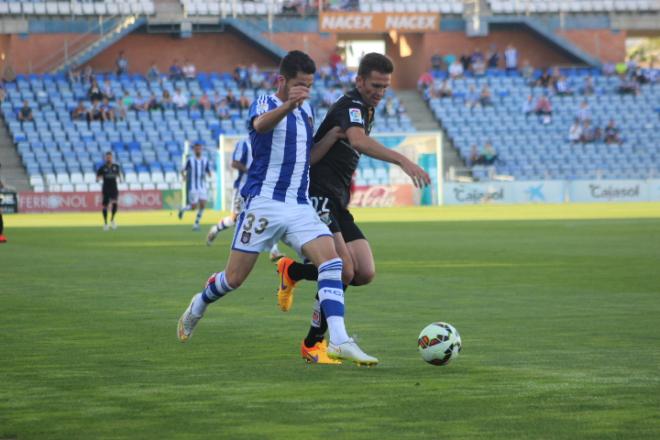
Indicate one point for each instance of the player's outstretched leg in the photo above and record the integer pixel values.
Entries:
(223, 224)
(183, 210)
(331, 296)
(113, 225)
(216, 288)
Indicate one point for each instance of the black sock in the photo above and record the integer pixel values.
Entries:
(300, 271)
(114, 211)
(105, 215)
(316, 334)
(2, 224)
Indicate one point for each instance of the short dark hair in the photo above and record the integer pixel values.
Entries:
(108, 153)
(294, 62)
(375, 62)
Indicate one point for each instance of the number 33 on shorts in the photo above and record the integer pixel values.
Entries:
(251, 222)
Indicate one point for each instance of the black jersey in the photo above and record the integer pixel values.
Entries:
(109, 174)
(332, 175)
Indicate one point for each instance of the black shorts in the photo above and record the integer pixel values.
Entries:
(338, 218)
(111, 194)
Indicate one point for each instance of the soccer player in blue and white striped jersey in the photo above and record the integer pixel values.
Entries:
(278, 207)
(196, 171)
(241, 160)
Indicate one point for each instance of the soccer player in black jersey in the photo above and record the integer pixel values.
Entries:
(330, 179)
(110, 173)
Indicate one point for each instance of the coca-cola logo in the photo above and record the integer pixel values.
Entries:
(382, 196)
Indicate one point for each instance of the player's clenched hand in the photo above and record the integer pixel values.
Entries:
(419, 177)
(297, 95)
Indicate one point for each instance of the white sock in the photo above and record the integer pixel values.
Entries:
(199, 306)
(226, 222)
(331, 297)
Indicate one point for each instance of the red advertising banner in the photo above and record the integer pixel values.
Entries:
(86, 201)
(382, 196)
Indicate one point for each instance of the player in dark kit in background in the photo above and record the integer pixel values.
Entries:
(331, 174)
(110, 173)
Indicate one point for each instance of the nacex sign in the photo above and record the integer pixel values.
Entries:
(378, 22)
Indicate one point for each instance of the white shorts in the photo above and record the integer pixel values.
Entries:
(264, 222)
(237, 202)
(196, 195)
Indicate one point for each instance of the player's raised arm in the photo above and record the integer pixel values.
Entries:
(323, 146)
(371, 147)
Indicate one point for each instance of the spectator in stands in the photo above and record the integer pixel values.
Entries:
(456, 70)
(80, 112)
(223, 110)
(528, 73)
(449, 59)
(485, 97)
(489, 156)
(88, 74)
(120, 109)
(511, 58)
(153, 104)
(216, 100)
(562, 88)
(545, 79)
(589, 132)
(390, 108)
(529, 106)
(176, 72)
(153, 74)
(189, 70)
(444, 90)
(584, 112)
(127, 101)
(588, 86)
(424, 82)
(492, 57)
(94, 93)
(25, 113)
(609, 69)
(244, 102)
(107, 112)
(205, 102)
(335, 59)
(612, 133)
(575, 131)
(232, 102)
(325, 73)
(166, 100)
(554, 77)
(478, 62)
(74, 76)
(95, 113)
(140, 104)
(242, 76)
(472, 97)
(122, 64)
(621, 68)
(107, 90)
(3, 93)
(179, 99)
(436, 62)
(257, 77)
(466, 62)
(193, 102)
(544, 109)
(628, 86)
(475, 157)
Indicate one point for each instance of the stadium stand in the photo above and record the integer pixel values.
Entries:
(529, 148)
(61, 154)
(77, 8)
(571, 6)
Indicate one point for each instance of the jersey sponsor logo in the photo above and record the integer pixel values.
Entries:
(355, 115)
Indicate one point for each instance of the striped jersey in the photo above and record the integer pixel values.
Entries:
(243, 154)
(196, 172)
(280, 166)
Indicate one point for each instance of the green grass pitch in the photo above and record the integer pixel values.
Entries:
(560, 321)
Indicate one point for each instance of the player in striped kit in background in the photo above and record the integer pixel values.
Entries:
(241, 160)
(197, 169)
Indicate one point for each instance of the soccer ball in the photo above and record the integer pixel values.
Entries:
(439, 343)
